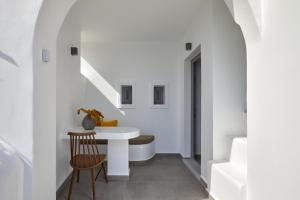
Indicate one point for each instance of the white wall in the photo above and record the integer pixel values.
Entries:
(70, 91)
(273, 104)
(273, 79)
(17, 21)
(51, 17)
(11, 173)
(199, 33)
(223, 55)
(16, 84)
(141, 63)
(229, 80)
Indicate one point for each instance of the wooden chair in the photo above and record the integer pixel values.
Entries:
(85, 156)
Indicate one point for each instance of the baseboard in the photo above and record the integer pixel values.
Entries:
(117, 178)
(204, 182)
(168, 154)
(198, 156)
(141, 163)
(195, 172)
(63, 185)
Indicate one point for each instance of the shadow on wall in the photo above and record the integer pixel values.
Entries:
(8, 59)
(106, 89)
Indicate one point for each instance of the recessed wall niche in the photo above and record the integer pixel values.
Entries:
(126, 94)
(158, 94)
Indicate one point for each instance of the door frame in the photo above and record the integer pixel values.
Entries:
(187, 126)
(193, 60)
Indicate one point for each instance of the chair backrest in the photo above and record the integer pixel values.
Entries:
(84, 150)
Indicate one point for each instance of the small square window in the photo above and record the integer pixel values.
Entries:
(159, 95)
(126, 94)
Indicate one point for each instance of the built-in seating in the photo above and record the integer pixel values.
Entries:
(142, 139)
(141, 148)
(229, 179)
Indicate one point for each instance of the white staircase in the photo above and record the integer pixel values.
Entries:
(229, 179)
(11, 173)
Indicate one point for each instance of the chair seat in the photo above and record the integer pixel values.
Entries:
(87, 161)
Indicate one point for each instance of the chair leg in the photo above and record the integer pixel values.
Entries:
(104, 172)
(78, 175)
(71, 184)
(93, 183)
(98, 173)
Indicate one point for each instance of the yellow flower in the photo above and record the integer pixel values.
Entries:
(93, 113)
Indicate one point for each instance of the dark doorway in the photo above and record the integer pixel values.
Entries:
(196, 108)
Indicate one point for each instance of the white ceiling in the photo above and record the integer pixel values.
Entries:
(136, 20)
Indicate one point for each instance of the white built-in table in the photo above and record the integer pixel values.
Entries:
(117, 147)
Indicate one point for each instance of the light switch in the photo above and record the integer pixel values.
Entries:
(45, 55)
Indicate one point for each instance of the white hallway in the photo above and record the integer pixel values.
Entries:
(271, 36)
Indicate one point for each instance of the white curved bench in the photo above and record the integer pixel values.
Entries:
(141, 148)
(229, 179)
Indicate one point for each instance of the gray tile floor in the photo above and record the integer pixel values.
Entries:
(162, 178)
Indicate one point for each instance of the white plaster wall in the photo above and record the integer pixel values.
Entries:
(70, 91)
(17, 21)
(51, 17)
(273, 104)
(272, 83)
(229, 80)
(11, 173)
(199, 34)
(223, 55)
(141, 63)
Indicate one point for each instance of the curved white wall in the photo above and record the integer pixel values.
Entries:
(16, 80)
(50, 19)
(272, 83)
(273, 104)
(229, 80)
(17, 22)
(223, 55)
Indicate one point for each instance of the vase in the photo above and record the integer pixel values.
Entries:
(88, 123)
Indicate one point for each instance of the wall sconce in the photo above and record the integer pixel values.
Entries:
(45, 55)
(188, 46)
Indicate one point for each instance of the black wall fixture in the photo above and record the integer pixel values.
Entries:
(74, 51)
(188, 46)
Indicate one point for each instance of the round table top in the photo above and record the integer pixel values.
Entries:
(111, 133)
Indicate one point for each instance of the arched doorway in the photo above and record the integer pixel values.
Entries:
(51, 17)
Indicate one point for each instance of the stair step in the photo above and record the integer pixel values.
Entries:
(229, 179)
